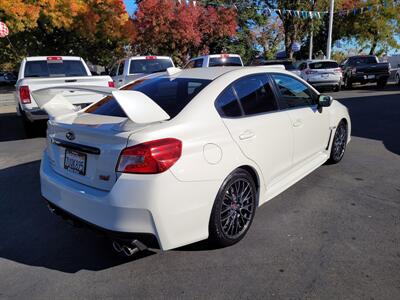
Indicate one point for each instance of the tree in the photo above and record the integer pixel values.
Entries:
(371, 26)
(166, 27)
(94, 29)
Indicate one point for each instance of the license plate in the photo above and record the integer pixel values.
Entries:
(369, 76)
(325, 75)
(75, 162)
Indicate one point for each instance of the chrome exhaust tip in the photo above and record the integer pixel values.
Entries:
(130, 248)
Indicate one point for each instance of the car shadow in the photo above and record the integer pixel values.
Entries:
(31, 235)
(12, 129)
(376, 117)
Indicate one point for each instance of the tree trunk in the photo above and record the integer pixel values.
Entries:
(373, 47)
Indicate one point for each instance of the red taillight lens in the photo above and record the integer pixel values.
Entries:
(150, 157)
(24, 94)
(338, 70)
(111, 84)
(54, 58)
(151, 57)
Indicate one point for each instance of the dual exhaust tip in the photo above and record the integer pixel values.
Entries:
(130, 248)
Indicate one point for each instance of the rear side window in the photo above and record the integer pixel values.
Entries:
(255, 94)
(324, 65)
(293, 91)
(54, 68)
(224, 61)
(172, 95)
(148, 66)
(228, 104)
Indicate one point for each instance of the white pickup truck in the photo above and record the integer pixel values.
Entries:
(50, 71)
(132, 68)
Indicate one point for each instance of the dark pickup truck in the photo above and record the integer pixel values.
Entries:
(364, 69)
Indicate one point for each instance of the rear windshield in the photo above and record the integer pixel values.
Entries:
(225, 61)
(58, 68)
(148, 66)
(172, 95)
(366, 60)
(324, 65)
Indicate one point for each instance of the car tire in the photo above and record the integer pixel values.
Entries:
(30, 128)
(381, 83)
(233, 210)
(339, 143)
(348, 83)
(337, 88)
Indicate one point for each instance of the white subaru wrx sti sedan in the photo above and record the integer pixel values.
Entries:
(187, 155)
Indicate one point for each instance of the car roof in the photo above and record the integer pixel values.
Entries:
(320, 60)
(212, 73)
(215, 55)
(36, 58)
(145, 56)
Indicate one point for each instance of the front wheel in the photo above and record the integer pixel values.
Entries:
(339, 143)
(233, 209)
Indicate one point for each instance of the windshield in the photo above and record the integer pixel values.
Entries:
(148, 66)
(324, 65)
(58, 68)
(225, 61)
(171, 94)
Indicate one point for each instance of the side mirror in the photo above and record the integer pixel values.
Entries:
(324, 101)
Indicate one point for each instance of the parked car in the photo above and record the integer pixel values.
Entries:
(129, 69)
(363, 69)
(190, 163)
(40, 72)
(322, 74)
(7, 78)
(215, 60)
(287, 63)
(397, 76)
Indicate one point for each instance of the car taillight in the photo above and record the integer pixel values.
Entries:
(111, 84)
(150, 157)
(24, 94)
(224, 55)
(151, 57)
(338, 70)
(54, 58)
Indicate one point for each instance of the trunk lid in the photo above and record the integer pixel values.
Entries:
(86, 148)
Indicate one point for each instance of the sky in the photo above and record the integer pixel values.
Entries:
(130, 6)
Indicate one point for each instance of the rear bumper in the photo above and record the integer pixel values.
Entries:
(364, 77)
(176, 213)
(330, 83)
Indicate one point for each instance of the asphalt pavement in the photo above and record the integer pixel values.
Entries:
(333, 235)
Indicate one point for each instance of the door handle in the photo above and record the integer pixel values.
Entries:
(297, 123)
(248, 134)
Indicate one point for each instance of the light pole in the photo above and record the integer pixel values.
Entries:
(329, 45)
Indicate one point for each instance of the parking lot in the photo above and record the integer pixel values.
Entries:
(333, 235)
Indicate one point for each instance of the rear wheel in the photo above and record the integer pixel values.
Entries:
(339, 143)
(233, 209)
(338, 87)
(382, 83)
(348, 83)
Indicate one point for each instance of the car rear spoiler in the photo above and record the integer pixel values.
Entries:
(138, 107)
